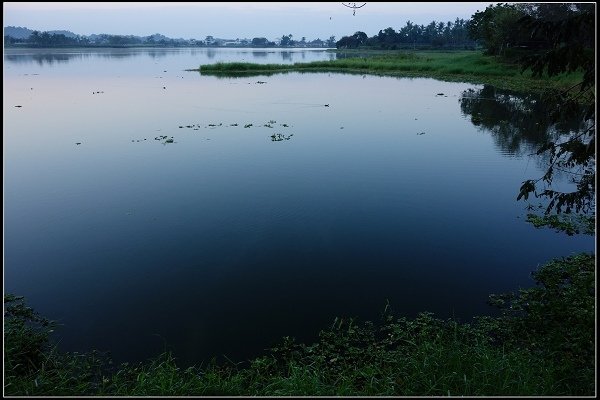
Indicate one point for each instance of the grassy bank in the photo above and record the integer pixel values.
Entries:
(542, 344)
(463, 66)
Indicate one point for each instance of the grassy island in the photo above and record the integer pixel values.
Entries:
(463, 66)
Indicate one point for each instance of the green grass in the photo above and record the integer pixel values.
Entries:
(466, 66)
(542, 344)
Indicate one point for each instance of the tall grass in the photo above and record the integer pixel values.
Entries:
(468, 66)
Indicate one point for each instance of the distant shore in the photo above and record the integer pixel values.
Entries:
(159, 46)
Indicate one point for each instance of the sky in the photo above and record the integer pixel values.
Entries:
(230, 20)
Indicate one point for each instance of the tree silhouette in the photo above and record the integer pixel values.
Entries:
(570, 37)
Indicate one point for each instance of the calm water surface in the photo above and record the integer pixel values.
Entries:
(226, 240)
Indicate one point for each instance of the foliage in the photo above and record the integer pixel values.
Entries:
(570, 40)
(46, 39)
(286, 40)
(567, 223)
(25, 336)
(556, 319)
(33, 366)
(434, 35)
(495, 27)
(262, 42)
(348, 42)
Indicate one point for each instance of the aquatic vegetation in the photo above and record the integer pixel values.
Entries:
(278, 137)
(196, 127)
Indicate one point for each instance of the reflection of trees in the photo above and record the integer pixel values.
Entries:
(519, 123)
(157, 54)
(40, 59)
(211, 53)
(286, 55)
(259, 54)
(50, 58)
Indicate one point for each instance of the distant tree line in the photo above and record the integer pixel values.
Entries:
(434, 35)
(288, 41)
(48, 39)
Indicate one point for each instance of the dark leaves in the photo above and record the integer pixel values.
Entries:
(527, 187)
(569, 35)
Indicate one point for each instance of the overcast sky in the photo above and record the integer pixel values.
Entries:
(230, 20)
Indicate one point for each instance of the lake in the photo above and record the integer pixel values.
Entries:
(148, 208)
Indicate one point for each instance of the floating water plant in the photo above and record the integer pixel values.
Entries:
(278, 137)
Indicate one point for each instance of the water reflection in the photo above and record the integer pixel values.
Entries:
(518, 123)
(60, 56)
(228, 239)
(41, 59)
(49, 57)
(211, 53)
(286, 55)
(259, 54)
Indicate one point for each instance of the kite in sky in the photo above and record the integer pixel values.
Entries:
(353, 6)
